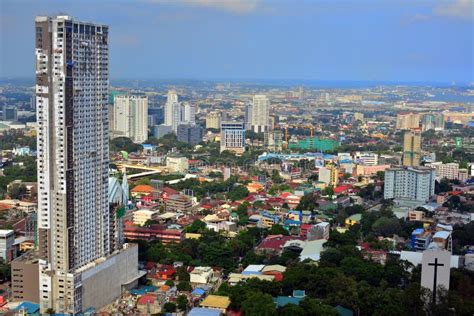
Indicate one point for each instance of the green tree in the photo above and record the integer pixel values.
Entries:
(315, 307)
(184, 286)
(169, 307)
(238, 192)
(17, 191)
(387, 226)
(257, 303)
(196, 227)
(182, 302)
(278, 230)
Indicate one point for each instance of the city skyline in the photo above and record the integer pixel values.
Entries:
(397, 41)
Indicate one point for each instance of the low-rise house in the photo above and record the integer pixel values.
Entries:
(165, 272)
(201, 275)
(312, 250)
(235, 278)
(218, 302)
(319, 231)
(416, 215)
(274, 244)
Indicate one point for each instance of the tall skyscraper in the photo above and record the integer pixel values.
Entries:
(171, 100)
(411, 149)
(248, 116)
(260, 113)
(74, 229)
(131, 117)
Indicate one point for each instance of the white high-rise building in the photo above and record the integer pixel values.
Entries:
(171, 100)
(260, 114)
(176, 118)
(409, 183)
(188, 114)
(130, 117)
(75, 249)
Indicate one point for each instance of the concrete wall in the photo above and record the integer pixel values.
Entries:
(25, 280)
(102, 284)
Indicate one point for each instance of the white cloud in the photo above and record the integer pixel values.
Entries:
(232, 6)
(414, 19)
(456, 8)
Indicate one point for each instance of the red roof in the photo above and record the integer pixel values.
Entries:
(342, 188)
(166, 270)
(147, 298)
(143, 188)
(276, 242)
(169, 190)
(278, 275)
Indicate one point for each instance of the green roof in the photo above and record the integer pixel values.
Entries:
(355, 217)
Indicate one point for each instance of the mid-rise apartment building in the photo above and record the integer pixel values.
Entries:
(409, 183)
(233, 137)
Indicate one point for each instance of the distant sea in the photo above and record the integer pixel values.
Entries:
(448, 96)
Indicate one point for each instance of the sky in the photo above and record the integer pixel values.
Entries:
(358, 40)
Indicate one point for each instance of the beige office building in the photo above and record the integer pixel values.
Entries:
(407, 121)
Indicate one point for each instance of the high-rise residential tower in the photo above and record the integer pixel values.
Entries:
(171, 100)
(131, 117)
(260, 114)
(188, 114)
(74, 229)
(411, 149)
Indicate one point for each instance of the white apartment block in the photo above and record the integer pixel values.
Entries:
(260, 114)
(131, 117)
(409, 183)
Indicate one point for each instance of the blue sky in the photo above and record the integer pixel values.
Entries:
(375, 40)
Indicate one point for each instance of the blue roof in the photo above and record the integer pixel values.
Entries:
(417, 231)
(252, 272)
(292, 222)
(281, 301)
(200, 311)
(29, 307)
(198, 291)
(299, 293)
